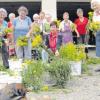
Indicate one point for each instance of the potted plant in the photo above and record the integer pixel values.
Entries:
(75, 54)
(32, 75)
(59, 71)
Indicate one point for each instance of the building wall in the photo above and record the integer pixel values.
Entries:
(41, 0)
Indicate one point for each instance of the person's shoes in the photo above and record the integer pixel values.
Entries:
(7, 67)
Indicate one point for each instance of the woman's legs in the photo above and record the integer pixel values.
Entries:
(5, 55)
(27, 50)
(98, 44)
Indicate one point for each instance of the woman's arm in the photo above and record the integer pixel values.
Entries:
(30, 31)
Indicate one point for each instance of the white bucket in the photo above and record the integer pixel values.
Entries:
(15, 65)
(75, 68)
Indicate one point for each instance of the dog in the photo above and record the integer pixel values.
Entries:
(15, 91)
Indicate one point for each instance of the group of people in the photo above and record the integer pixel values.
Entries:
(53, 35)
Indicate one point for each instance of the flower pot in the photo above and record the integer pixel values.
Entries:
(75, 67)
(15, 65)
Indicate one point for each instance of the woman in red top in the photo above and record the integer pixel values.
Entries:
(81, 24)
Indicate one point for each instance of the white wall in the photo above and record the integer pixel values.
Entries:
(49, 6)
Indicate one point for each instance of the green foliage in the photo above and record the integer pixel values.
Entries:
(90, 14)
(2, 68)
(72, 52)
(85, 68)
(59, 70)
(93, 61)
(32, 75)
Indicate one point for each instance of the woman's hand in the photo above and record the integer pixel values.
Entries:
(28, 35)
(78, 35)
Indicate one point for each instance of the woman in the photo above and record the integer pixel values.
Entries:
(21, 26)
(3, 47)
(95, 5)
(66, 29)
(46, 30)
(35, 25)
(81, 23)
(42, 21)
(10, 35)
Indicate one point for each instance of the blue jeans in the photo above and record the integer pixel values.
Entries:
(24, 52)
(98, 44)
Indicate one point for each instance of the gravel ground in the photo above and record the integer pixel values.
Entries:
(79, 88)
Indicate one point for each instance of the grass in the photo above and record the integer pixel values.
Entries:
(93, 61)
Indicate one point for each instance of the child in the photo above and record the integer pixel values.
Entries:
(53, 36)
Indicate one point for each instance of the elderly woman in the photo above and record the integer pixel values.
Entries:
(3, 47)
(10, 35)
(21, 26)
(66, 29)
(95, 5)
(81, 23)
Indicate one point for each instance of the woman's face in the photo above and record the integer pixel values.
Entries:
(42, 15)
(22, 14)
(80, 14)
(12, 18)
(36, 19)
(48, 18)
(65, 16)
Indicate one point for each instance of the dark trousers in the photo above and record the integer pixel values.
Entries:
(5, 55)
(81, 39)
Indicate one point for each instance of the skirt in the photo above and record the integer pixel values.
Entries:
(67, 37)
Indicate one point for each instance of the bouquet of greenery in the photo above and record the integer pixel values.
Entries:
(22, 41)
(92, 26)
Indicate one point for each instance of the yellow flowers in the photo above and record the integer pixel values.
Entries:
(94, 26)
(22, 41)
(45, 88)
(37, 41)
(72, 52)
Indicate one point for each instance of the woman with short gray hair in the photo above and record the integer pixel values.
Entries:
(81, 23)
(21, 26)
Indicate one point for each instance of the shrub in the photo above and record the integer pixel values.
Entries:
(32, 75)
(59, 70)
(72, 52)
